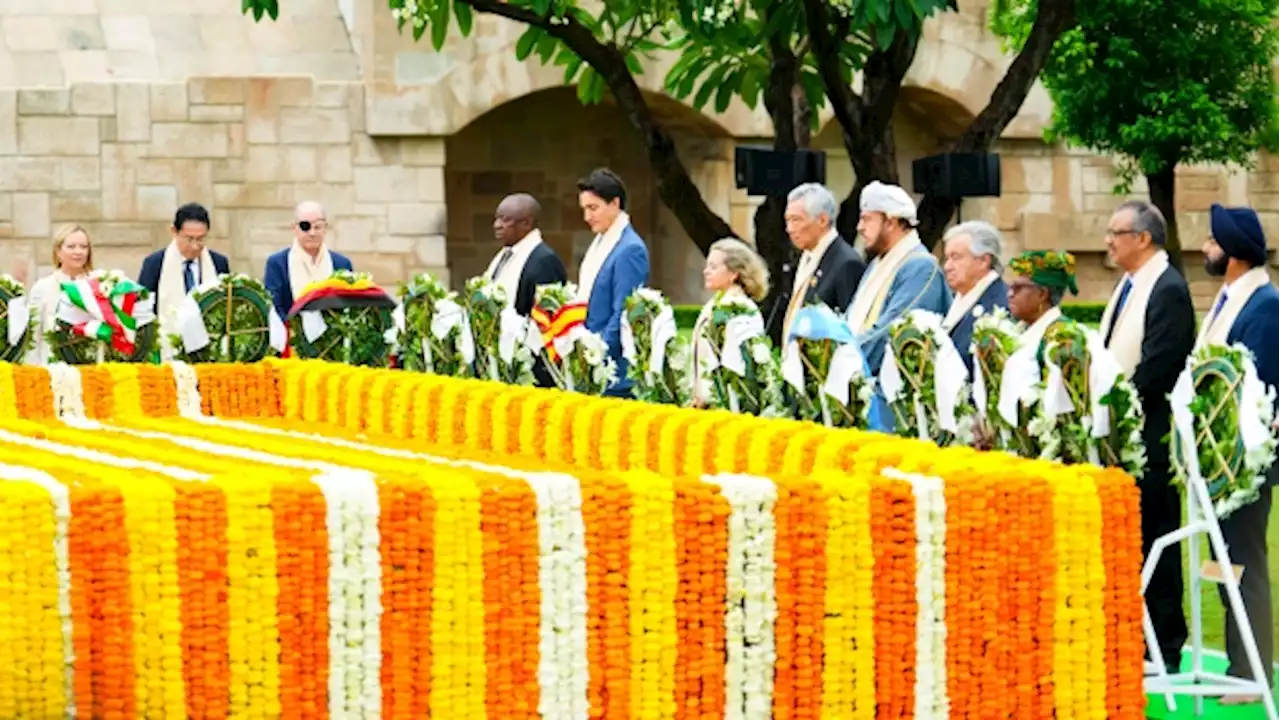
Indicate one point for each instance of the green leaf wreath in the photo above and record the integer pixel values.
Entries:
(671, 386)
(915, 346)
(11, 289)
(420, 349)
(995, 338)
(353, 335)
(582, 364)
(816, 356)
(758, 391)
(236, 310)
(485, 301)
(1232, 472)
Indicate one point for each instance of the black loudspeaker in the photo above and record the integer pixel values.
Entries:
(957, 175)
(765, 171)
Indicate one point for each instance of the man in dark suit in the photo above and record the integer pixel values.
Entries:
(1150, 327)
(184, 264)
(971, 262)
(829, 269)
(525, 261)
(1246, 311)
(308, 260)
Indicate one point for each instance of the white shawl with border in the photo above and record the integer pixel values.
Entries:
(1130, 330)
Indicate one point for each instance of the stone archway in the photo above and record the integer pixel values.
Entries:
(542, 143)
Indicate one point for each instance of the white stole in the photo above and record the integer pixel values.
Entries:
(965, 302)
(1214, 331)
(874, 288)
(704, 356)
(1130, 329)
(304, 269)
(1034, 333)
(805, 269)
(601, 247)
(172, 289)
(509, 277)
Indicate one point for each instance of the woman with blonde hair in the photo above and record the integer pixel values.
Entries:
(72, 257)
(733, 268)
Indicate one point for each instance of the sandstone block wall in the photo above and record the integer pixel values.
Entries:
(119, 158)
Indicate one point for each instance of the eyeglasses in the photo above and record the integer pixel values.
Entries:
(307, 225)
(1119, 233)
(1015, 288)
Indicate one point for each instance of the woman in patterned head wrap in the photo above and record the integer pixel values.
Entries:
(1039, 280)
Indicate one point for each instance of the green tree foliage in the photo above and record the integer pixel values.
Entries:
(1161, 82)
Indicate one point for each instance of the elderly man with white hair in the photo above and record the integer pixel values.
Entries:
(971, 263)
(903, 274)
(306, 261)
(829, 269)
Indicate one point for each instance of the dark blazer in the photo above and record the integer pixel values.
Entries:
(276, 278)
(995, 296)
(1169, 336)
(149, 275)
(837, 277)
(1257, 327)
(542, 268)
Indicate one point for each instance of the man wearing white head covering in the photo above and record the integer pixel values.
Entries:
(903, 274)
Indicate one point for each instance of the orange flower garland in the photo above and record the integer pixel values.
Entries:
(800, 576)
(302, 569)
(702, 536)
(508, 517)
(606, 513)
(893, 542)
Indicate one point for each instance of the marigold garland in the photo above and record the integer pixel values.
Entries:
(407, 544)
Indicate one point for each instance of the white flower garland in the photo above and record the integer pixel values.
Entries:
(562, 581)
(61, 500)
(68, 391)
(187, 389)
(931, 594)
(751, 605)
(355, 593)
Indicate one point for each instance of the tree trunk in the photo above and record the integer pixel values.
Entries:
(1161, 187)
(789, 112)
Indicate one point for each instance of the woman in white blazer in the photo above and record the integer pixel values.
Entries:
(733, 268)
(72, 257)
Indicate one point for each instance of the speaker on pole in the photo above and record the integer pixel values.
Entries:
(765, 171)
(957, 175)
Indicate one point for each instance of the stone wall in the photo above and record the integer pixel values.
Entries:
(119, 158)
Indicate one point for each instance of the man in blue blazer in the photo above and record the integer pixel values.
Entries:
(307, 261)
(971, 262)
(615, 265)
(1245, 311)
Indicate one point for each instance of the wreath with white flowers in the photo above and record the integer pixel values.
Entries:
(103, 317)
(436, 337)
(654, 350)
(17, 335)
(1073, 426)
(497, 330)
(234, 322)
(742, 371)
(922, 404)
(1223, 419)
(577, 358)
(994, 339)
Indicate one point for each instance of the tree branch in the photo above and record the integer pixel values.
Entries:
(675, 186)
(845, 103)
(1053, 17)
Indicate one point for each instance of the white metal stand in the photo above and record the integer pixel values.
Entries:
(1199, 683)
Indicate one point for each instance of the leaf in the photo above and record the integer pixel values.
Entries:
(440, 23)
(709, 85)
(590, 86)
(462, 11)
(527, 41)
(728, 87)
(572, 65)
(750, 89)
(884, 35)
(547, 47)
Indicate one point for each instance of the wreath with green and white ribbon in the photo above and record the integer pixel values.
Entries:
(17, 334)
(922, 378)
(103, 317)
(994, 340)
(230, 320)
(1087, 411)
(1222, 426)
(434, 330)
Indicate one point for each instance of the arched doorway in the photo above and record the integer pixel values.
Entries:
(542, 143)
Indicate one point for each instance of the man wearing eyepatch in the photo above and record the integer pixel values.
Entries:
(307, 261)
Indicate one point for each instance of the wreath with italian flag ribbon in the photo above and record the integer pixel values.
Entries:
(103, 316)
(16, 334)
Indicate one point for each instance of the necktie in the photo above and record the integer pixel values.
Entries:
(1217, 307)
(188, 277)
(502, 262)
(1124, 295)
